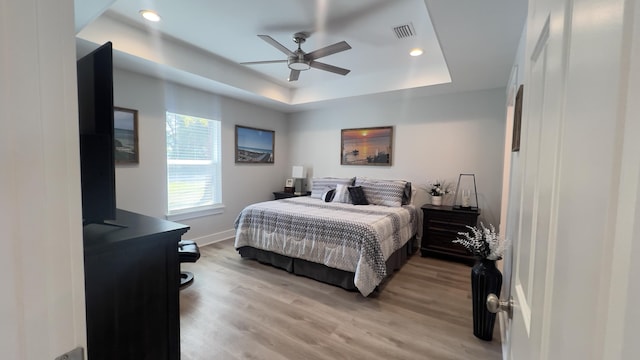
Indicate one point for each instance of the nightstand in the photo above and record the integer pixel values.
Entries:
(285, 195)
(441, 226)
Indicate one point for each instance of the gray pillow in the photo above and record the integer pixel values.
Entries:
(383, 192)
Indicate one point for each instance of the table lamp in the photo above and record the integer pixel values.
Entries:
(298, 174)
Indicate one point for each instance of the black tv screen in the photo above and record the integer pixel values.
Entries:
(95, 106)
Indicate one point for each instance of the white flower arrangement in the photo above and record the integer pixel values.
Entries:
(485, 242)
(439, 188)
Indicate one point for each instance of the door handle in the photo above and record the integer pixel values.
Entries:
(494, 304)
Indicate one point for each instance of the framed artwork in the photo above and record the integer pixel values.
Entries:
(367, 146)
(125, 123)
(517, 121)
(254, 146)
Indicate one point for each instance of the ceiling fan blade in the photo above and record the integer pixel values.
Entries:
(330, 68)
(263, 62)
(276, 44)
(328, 50)
(295, 74)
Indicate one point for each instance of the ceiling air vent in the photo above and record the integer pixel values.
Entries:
(404, 31)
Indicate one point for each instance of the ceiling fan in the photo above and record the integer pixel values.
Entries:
(299, 60)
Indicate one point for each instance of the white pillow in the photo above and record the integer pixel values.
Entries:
(342, 194)
(321, 185)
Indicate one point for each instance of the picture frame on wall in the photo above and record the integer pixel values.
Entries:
(517, 120)
(367, 146)
(125, 123)
(254, 146)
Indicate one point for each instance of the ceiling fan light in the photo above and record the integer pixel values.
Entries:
(298, 64)
(150, 15)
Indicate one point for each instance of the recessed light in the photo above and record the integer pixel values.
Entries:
(150, 15)
(416, 52)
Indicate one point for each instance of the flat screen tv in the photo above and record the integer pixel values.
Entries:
(95, 106)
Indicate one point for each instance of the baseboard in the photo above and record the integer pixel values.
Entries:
(214, 238)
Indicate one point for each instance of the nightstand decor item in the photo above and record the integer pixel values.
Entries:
(437, 191)
(466, 193)
(436, 200)
(485, 244)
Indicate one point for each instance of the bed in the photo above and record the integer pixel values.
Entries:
(333, 240)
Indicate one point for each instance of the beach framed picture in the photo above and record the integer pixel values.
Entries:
(367, 146)
(125, 124)
(254, 146)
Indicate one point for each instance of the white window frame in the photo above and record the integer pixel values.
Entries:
(194, 211)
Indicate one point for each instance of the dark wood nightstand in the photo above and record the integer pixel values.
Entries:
(285, 195)
(441, 226)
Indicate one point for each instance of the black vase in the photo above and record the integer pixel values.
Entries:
(485, 279)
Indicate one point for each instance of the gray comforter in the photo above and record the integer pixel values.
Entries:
(357, 239)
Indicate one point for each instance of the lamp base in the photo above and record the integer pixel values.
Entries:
(298, 187)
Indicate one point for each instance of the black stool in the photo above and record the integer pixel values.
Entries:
(188, 251)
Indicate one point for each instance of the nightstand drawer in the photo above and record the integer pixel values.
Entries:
(444, 242)
(441, 226)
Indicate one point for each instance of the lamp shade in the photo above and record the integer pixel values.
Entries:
(297, 172)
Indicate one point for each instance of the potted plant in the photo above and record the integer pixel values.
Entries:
(437, 191)
(485, 244)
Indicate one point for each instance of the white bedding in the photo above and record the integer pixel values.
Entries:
(354, 238)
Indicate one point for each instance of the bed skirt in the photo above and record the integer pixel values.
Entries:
(323, 273)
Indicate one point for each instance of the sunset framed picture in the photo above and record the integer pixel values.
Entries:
(367, 146)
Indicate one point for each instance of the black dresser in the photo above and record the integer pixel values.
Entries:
(132, 275)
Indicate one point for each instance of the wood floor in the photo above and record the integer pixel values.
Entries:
(241, 309)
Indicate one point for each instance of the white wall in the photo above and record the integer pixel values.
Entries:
(142, 188)
(42, 308)
(435, 137)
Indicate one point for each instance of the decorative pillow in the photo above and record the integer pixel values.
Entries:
(342, 194)
(328, 195)
(321, 185)
(383, 192)
(357, 195)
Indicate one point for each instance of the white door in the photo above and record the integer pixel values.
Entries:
(42, 312)
(538, 182)
(561, 213)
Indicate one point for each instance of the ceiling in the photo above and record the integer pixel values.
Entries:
(468, 45)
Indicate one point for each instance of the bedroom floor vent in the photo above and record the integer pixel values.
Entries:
(404, 31)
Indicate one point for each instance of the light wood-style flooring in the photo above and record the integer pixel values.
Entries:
(242, 309)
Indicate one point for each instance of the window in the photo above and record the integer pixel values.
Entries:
(193, 166)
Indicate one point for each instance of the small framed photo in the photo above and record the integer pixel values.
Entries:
(254, 146)
(125, 123)
(288, 183)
